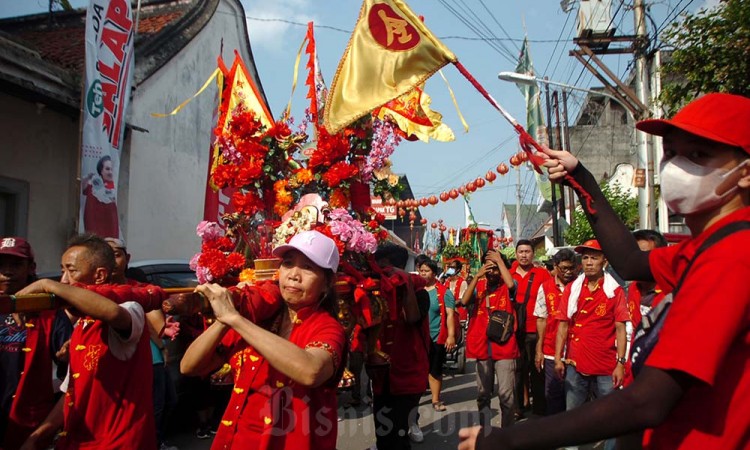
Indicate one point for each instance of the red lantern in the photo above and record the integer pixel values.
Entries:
(490, 176)
(390, 201)
(514, 161)
(510, 239)
(502, 169)
(401, 212)
(412, 216)
(432, 200)
(461, 190)
(444, 196)
(453, 194)
(423, 202)
(479, 182)
(400, 204)
(471, 187)
(423, 221)
(434, 225)
(442, 228)
(522, 156)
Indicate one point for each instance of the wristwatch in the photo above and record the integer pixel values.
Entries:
(622, 360)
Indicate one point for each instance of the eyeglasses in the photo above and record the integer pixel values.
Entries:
(566, 268)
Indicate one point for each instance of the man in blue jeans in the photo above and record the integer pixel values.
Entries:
(592, 319)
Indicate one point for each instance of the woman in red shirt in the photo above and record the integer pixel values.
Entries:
(285, 368)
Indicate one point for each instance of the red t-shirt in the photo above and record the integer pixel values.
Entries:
(408, 346)
(591, 333)
(267, 409)
(477, 344)
(552, 295)
(540, 276)
(707, 335)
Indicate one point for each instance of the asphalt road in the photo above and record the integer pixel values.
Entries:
(440, 429)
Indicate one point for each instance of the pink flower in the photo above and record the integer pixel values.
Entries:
(208, 231)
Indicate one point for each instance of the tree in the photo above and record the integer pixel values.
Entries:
(625, 207)
(711, 54)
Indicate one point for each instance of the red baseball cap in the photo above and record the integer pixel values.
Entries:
(16, 246)
(591, 244)
(719, 117)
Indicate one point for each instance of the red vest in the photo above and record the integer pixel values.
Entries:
(34, 396)
(477, 344)
(109, 402)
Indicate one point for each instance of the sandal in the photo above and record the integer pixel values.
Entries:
(439, 406)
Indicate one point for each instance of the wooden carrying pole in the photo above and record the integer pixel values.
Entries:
(10, 304)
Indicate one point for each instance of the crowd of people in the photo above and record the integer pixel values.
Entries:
(589, 358)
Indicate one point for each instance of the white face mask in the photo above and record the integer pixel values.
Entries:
(689, 188)
(450, 272)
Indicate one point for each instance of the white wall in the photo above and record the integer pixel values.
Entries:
(39, 146)
(163, 174)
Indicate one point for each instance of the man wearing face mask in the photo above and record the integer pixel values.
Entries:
(692, 390)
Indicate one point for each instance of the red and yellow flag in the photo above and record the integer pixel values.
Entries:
(412, 114)
(390, 52)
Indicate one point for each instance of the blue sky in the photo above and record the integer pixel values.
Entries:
(277, 28)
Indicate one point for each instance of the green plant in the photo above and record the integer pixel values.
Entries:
(625, 207)
(711, 54)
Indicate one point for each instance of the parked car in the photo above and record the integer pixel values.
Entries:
(165, 273)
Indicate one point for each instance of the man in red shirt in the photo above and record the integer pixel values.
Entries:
(530, 381)
(492, 289)
(107, 401)
(547, 307)
(591, 338)
(28, 345)
(693, 388)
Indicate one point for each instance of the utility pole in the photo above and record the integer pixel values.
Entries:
(662, 213)
(566, 146)
(518, 202)
(645, 160)
(553, 198)
(560, 146)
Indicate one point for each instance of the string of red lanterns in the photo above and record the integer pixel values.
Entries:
(452, 194)
(412, 204)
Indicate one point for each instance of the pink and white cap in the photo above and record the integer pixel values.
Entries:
(318, 247)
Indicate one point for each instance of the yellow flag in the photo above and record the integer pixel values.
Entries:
(389, 53)
(242, 90)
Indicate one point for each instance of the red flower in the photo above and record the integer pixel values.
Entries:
(330, 148)
(373, 224)
(249, 172)
(235, 260)
(224, 175)
(223, 243)
(215, 261)
(380, 218)
(339, 172)
(279, 131)
(249, 203)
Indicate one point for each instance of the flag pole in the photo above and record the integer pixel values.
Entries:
(527, 142)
